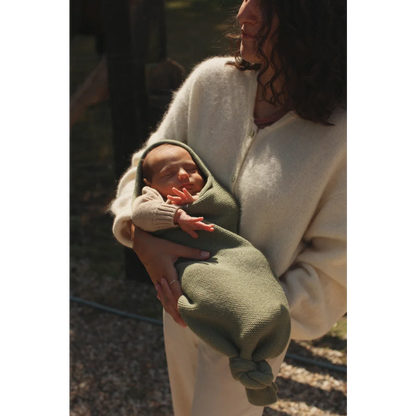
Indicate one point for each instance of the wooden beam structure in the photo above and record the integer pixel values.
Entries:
(128, 103)
(136, 37)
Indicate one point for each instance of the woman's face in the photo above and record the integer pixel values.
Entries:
(250, 20)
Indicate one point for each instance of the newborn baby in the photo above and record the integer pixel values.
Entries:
(232, 301)
(172, 179)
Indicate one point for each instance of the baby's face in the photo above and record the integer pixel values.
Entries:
(173, 167)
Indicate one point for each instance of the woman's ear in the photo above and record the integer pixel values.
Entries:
(147, 182)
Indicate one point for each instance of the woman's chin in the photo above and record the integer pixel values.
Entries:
(249, 56)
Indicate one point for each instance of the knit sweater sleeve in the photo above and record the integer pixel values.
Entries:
(174, 126)
(151, 213)
(315, 285)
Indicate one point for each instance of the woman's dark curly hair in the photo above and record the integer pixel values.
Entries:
(309, 54)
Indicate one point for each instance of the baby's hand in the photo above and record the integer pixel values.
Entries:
(190, 224)
(182, 197)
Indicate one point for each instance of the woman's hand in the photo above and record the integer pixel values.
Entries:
(158, 257)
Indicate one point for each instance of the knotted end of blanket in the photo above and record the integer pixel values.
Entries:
(257, 378)
(251, 374)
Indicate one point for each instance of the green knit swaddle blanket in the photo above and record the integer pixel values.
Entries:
(232, 301)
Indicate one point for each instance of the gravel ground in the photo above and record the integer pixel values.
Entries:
(118, 365)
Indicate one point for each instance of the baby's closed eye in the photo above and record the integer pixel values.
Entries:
(166, 174)
(190, 168)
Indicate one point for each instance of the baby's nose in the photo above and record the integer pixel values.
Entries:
(183, 174)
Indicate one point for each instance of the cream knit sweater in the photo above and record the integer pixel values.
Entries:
(289, 178)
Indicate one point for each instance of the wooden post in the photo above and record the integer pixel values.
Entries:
(148, 30)
(135, 37)
(148, 47)
(128, 103)
(126, 131)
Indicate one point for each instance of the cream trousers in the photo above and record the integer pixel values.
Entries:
(200, 377)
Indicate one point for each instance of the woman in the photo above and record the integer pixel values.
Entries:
(272, 129)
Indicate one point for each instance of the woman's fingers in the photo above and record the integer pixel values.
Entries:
(169, 302)
(168, 294)
(175, 287)
(188, 252)
(159, 256)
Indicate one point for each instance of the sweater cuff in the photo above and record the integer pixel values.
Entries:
(165, 216)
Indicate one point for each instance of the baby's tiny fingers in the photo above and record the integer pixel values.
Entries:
(196, 220)
(207, 227)
(192, 233)
(178, 192)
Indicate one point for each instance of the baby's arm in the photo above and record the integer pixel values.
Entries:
(151, 213)
(190, 224)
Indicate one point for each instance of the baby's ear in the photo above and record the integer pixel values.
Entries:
(147, 182)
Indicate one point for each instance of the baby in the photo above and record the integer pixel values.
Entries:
(172, 179)
(232, 300)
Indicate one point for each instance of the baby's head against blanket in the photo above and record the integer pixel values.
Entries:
(171, 166)
(169, 157)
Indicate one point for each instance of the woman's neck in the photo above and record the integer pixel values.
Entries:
(262, 107)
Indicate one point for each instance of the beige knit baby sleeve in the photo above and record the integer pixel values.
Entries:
(151, 213)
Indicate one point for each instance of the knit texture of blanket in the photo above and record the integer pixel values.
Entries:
(232, 301)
